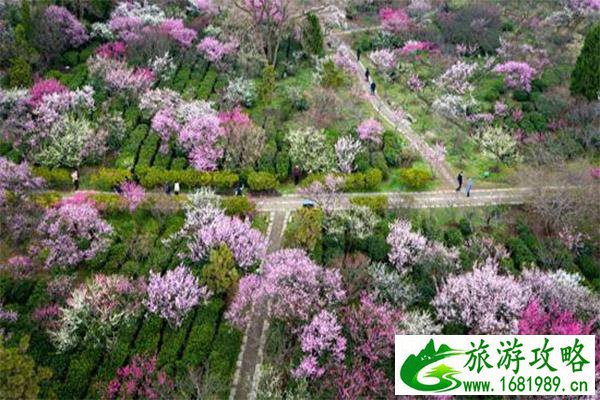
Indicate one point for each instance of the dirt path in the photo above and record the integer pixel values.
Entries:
(247, 372)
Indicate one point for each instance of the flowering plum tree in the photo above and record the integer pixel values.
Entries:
(517, 75)
(215, 50)
(141, 378)
(72, 232)
(394, 20)
(483, 300)
(296, 287)
(96, 309)
(385, 60)
(344, 59)
(132, 194)
(309, 149)
(244, 140)
(321, 338)
(57, 31)
(550, 320)
(405, 246)
(174, 294)
(346, 150)
(456, 79)
(370, 130)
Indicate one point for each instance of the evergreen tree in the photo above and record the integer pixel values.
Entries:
(267, 84)
(313, 36)
(26, 18)
(585, 80)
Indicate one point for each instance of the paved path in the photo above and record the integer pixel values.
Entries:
(247, 372)
(437, 199)
(402, 125)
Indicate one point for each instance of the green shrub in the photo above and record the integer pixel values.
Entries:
(519, 252)
(313, 35)
(453, 237)
(149, 334)
(355, 182)
(238, 205)
(415, 178)
(267, 159)
(361, 162)
(19, 74)
(392, 148)
(377, 248)
(332, 77)
(378, 161)
(201, 335)
(70, 58)
(108, 178)
(378, 204)
(56, 178)
(373, 178)
(261, 181)
(521, 95)
(131, 117)
(220, 274)
(305, 231)
(465, 227)
(282, 165)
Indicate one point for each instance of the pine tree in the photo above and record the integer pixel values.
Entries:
(585, 80)
(313, 36)
(267, 85)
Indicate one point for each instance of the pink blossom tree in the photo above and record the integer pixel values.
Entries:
(16, 206)
(551, 320)
(483, 300)
(244, 141)
(140, 379)
(295, 286)
(517, 75)
(132, 194)
(394, 20)
(371, 328)
(72, 232)
(214, 50)
(406, 246)
(57, 31)
(174, 294)
(42, 88)
(385, 60)
(370, 130)
(321, 339)
(344, 59)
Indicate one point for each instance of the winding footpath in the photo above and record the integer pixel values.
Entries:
(402, 125)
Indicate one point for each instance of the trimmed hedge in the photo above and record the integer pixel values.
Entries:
(355, 182)
(238, 205)
(108, 178)
(261, 181)
(56, 178)
(201, 335)
(222, 360)
(377, 204)
(80, 373)
(415, 178)
(151, 177)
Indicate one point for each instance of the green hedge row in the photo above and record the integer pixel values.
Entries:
(200, 338)
(80, 372)
(148, 337)
(156, 177)
(149, 147)
(173, 340)
(108, 178)
(222, 360)
(261, 181)
(56, 178)
(129, 148)
(207, 84)
(378, 204)
(355, 182)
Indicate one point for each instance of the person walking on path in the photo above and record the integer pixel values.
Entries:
(296, 174)
(75, 179)
(459, 179)
(367, 74)
(358, 54)
(177, 188)
(238, 188)
(469, 187)
(373, 87)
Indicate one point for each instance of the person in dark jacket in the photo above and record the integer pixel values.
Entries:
(357, 54)
(367, 74)
(373, 87)
(296, 173)
(459, 179)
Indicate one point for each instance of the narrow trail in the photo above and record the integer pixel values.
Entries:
(247, 374)
(403, 126)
